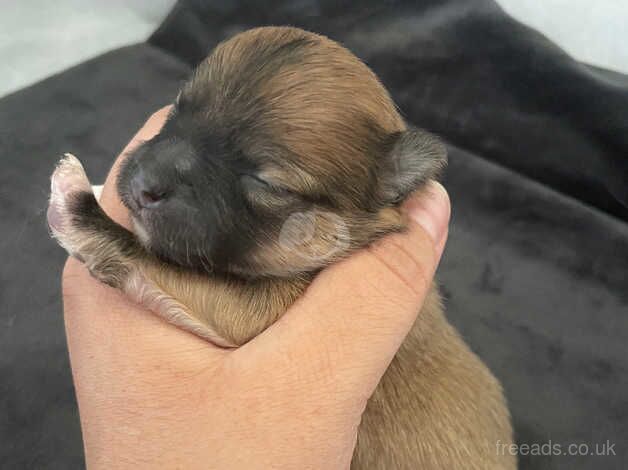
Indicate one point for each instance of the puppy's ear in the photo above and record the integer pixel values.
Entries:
(415, 156)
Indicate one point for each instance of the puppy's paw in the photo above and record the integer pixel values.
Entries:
(68, 182)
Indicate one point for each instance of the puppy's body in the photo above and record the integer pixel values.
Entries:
(283, 154)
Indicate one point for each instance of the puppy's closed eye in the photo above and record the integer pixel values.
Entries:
(265, 193)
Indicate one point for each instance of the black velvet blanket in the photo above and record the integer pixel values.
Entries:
(536, 269)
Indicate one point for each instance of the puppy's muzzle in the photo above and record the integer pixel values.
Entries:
(147, 195)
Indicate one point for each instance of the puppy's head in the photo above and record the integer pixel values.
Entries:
(282, 153)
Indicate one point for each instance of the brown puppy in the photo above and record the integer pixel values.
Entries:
(282, 154)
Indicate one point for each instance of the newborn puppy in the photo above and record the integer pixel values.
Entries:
(282, 154)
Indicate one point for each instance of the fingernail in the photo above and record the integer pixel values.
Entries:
(430, 208)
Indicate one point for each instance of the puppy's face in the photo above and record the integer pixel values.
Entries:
(281, 154)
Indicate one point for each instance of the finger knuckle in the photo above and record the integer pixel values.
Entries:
(406, 264)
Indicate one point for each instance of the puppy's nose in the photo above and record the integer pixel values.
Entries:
(146, 195)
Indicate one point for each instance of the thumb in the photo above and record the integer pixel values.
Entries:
(356, 313)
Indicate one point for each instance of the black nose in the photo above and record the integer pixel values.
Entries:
(146, 195)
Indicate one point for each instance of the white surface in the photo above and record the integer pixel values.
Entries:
(592, 31)
(97, 188)
(41, 37)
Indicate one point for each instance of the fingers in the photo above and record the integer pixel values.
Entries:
(355, 315)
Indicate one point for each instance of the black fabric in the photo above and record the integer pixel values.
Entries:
(534, 273)
(536, 283)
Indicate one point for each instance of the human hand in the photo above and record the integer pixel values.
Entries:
(153, 396)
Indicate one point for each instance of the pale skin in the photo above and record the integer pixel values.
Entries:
(153, 396)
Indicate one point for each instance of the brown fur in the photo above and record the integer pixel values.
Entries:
(437, 406)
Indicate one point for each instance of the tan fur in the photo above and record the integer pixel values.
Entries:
(236, 311)
(437, 406)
